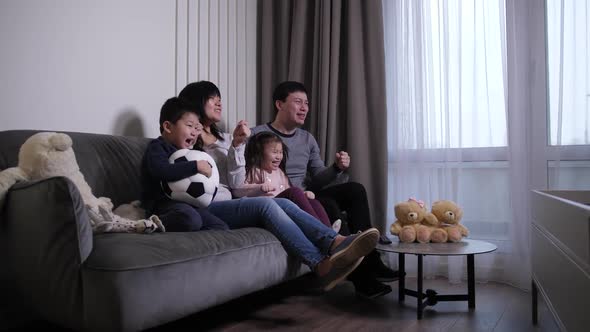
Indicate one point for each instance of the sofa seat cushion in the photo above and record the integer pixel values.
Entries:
(128, 251)
(144, 280)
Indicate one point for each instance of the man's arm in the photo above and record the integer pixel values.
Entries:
(321, 175)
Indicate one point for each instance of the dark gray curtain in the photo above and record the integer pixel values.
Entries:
(334, 47)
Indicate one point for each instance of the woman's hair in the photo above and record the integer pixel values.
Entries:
(254, 152)
(197, 94)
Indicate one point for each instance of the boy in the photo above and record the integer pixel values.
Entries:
(180, 129)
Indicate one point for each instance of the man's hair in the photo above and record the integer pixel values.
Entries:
(254, 152)
(284, 89)
(197, 94)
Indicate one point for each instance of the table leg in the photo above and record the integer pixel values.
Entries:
(471, 281)
(419, 292)
(534, 298)
(402, 277)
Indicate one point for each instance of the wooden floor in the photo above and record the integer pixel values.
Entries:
(499, 307)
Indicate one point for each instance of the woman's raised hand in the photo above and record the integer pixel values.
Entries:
(241, 133)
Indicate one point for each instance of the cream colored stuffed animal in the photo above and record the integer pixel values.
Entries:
(408, 216)
(449, 214)
(49, 154)
(415, 223)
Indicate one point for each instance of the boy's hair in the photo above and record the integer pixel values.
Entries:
(197, 94)
(284, 89)
(254, 152)
(172, 110)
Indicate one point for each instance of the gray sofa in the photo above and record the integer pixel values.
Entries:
(57, 270)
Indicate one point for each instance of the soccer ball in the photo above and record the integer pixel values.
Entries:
(196, 190)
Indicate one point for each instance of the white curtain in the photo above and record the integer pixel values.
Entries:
(466, 95)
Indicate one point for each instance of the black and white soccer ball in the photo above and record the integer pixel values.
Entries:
(196, 190)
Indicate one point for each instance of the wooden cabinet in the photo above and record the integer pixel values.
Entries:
(560, 255)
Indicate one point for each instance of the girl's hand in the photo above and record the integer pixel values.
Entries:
(204, 168)
(309, 194)
(267, 187)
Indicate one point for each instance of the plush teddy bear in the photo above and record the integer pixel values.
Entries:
(449, 214)
(408, 215)
(430, 230)
(49, 154)
(415, 223)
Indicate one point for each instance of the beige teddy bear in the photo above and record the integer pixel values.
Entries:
(408, 215)
(430, 230)
(449, 215)
(415, 223)
(49, 154)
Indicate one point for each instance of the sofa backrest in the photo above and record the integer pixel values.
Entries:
(111, 164)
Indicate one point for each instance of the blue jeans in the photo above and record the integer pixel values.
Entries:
(301, 234)
(182, 217)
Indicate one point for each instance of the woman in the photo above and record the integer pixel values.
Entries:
(328, 254)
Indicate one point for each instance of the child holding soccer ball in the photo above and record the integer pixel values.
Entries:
(180, 129)
(265, 156)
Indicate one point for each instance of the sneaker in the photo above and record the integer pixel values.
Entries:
(370, 289)
(337, 274)
(353, 247)
(337, 225)
(385, 274)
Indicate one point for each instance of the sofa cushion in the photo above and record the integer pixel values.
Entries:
(128, 251)
(140, 281)
(110, 164)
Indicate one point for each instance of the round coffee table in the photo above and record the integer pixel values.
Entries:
(466, 247)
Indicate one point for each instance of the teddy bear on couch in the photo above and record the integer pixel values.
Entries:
(50, 154)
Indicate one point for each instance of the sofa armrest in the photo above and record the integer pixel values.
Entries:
(45, 234)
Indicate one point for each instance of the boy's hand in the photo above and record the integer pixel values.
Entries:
(204, 168)
(342, 160)
(241, 133)
(309, 194)
(266, 187)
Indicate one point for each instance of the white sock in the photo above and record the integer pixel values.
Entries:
(337, 225)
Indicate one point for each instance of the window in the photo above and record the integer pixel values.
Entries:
(472, 117)
(448, 68)
(568, 71)
(568, 89)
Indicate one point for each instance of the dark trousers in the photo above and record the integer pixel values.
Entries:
(183, 217)
(311, 206)
(351, 197)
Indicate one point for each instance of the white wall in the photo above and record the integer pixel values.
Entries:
(107, 66)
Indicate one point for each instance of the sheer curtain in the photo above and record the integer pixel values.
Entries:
(467, 106)
(568, 67)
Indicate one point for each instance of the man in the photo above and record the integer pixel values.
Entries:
(307, 170)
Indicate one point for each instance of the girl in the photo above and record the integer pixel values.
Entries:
(265, 156)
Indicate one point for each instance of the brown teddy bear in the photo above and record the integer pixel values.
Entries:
(415, 223)
(430, 230)
(449, 214)
(408, 216)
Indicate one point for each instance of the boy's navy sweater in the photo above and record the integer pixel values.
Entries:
(156, 168)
